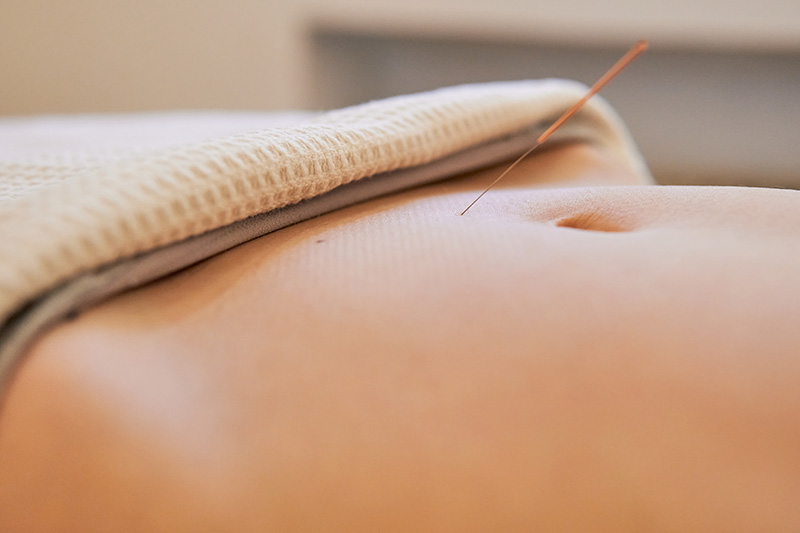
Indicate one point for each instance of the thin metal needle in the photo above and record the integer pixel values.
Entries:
(623, 62)
(503, 175)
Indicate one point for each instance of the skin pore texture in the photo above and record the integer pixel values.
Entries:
(575, 353)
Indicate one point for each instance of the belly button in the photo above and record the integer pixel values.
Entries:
(591, 221)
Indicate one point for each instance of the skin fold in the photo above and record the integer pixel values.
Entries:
(577, 352)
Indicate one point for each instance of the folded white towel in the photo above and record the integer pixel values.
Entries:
(90, 206)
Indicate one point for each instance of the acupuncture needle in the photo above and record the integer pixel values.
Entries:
(623, 62)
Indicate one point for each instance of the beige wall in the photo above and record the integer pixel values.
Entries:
(116, 55)
(106, 55)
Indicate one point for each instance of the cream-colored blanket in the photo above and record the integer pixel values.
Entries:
(90, 206)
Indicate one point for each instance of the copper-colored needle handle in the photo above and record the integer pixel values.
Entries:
(623, 62)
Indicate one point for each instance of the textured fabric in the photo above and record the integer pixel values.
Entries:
(64, 214)
(87, 288)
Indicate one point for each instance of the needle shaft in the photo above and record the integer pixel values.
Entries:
(623, 62)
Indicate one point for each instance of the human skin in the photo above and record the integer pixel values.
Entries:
(565, 356)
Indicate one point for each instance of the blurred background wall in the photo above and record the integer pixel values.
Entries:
(716, 100)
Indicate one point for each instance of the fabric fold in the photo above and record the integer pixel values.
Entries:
(75, 233)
